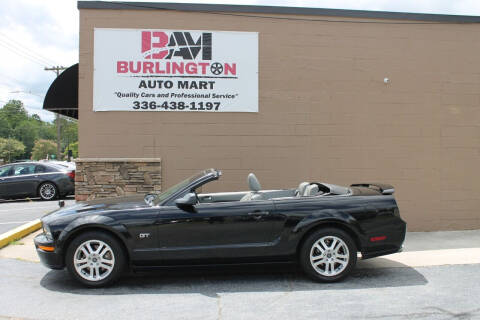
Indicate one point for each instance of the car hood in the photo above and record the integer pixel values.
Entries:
(96, 206)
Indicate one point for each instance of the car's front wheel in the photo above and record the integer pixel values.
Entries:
(48, 191)
(95, 259)
(328, 255)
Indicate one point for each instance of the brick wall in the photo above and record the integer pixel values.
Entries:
(102, 178)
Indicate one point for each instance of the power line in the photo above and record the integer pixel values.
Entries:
(28, 92)
(293, 19)
(26, 49)
(19, 49)
(22, 55)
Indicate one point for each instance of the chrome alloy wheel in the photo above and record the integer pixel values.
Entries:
(47, 191)
(329, 256)
(94, 260)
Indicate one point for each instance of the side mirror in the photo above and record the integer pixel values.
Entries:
(187, 202)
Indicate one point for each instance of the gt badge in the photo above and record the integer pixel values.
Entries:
(143, 235)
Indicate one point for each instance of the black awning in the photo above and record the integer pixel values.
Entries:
(62, 96)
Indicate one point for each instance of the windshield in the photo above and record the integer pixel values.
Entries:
(164, 195)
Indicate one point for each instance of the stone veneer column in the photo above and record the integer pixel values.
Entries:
(114, 177)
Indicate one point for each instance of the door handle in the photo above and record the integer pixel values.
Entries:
(259, 213)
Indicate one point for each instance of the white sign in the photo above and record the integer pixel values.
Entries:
(175, 70)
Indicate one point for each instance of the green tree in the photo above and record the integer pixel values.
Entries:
(46, 131)
(26, 132)
(69, 131)
(5, 129)
(14, 112)
(43, 148)
(16, 123)
(10, 149)
(74, 148)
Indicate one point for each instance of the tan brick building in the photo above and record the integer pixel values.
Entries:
(344, 96)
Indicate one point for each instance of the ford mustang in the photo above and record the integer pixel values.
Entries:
(320, 226)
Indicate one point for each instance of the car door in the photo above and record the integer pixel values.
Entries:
(23, 181)
(219, 230)
(4, 174)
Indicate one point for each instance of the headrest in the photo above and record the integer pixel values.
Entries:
(301, 188)
(311, 190)
(253, 183)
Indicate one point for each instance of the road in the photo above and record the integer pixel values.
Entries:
(16, 213)
(29, 290)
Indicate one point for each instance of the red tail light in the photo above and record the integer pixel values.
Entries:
(71, 174)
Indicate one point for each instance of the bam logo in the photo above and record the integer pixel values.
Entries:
(161, 45)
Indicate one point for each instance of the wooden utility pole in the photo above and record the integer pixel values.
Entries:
(57, 70)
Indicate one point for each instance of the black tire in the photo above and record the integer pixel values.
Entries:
(340, 271)
(52, 193)
(119, 258)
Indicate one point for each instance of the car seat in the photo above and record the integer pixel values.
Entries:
(255, 188)
(301, 189)
(311, 190)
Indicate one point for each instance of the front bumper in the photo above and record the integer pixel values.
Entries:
(51, 259)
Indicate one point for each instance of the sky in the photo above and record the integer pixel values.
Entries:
(36, 34)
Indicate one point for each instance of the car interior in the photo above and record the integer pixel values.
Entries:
(4, 171)
(23, 169)
(304, 189)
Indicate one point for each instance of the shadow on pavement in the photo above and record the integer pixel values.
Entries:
(210, 281)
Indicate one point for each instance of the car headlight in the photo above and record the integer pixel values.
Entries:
(46, 230)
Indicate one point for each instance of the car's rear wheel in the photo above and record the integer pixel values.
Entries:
(95, 259)
(48, 191)
(328, 255)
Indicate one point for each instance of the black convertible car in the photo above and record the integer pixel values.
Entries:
(321, 226)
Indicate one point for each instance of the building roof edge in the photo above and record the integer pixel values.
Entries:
(200, 7)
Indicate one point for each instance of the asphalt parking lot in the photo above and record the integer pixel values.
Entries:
(436, 277)
(30, 291)
(18, 212)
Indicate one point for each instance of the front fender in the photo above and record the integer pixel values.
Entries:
(93, 221)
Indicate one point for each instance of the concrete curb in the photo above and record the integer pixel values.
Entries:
(19, 232)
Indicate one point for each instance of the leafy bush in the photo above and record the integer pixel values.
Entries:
(43, 148)
(10, 149)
